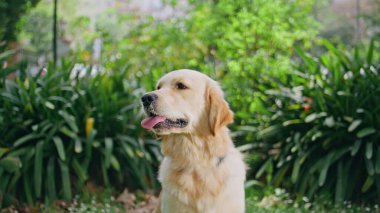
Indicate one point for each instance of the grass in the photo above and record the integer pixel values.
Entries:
(275, 205)
(279, 201)
(257, 200)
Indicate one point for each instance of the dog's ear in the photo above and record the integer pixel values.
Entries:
(219, 112)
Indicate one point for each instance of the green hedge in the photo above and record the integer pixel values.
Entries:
(60, 131)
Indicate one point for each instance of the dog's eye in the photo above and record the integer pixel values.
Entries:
(158, 87)
(180, 85)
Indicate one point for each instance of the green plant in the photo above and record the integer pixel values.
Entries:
(322, 126)
(245, 39)
(233, 41)
(279, 201)
(62, 130)
(10, 14)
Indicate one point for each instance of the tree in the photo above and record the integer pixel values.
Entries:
(247, 39)
(55, 33)
(11, 12)
(238, 42)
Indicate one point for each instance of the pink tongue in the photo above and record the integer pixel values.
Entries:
(148, 123)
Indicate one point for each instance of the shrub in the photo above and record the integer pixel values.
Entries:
(62, 130)
(234, 41)
(245, 39)
(11, 12)
(323, 127)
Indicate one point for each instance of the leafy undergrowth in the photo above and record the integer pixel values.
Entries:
(257, 201)
(279, 201)
(275, 204)
(103, 202)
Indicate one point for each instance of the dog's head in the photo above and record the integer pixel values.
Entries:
(186, 101)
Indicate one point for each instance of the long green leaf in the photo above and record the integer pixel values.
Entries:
(370, 51)
(311, 117)
(52, 192)
(3, 151)
(278, 179)
(115, 163)
(66, 182)
(10, 164)
(369, 166)
(365, 132)
(38, 168)
(108, 152)
(368, 150)
(367, 184)
(60, 149)
(296, 168)
(355, 147)
(263, 168)
(377, 184)
(354, 124)
(28, 188)
(25, 139)
(270, 131)
(377, 162)
(5, 178)
(78, 146)
(80, 171)
(105, 174)
(70, 120)
(68, 132)
(339, 188)
(14, 180)
(326, 164)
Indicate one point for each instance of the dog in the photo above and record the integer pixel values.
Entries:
(202, 171)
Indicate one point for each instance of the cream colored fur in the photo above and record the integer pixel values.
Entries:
(202, 171)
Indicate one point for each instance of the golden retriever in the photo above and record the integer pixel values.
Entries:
(202, 171)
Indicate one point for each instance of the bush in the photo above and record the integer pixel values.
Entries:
(10, 14)
(234, 41)
(322, 128)
(61, 130)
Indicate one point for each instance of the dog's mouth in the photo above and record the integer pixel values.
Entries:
(155, 121)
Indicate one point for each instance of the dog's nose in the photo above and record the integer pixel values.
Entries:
(147, 99)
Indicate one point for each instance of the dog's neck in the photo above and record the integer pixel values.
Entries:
(195, 147)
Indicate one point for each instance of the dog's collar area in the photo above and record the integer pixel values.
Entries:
(220, 160)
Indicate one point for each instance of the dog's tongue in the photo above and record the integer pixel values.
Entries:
(148, 123)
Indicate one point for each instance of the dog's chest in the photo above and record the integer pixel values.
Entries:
(190, 183)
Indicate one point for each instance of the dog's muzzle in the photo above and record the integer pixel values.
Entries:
(148, 99)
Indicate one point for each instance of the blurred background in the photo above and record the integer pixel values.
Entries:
(302, 77)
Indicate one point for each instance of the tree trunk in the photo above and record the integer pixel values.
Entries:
(55, 34)
(358, 31)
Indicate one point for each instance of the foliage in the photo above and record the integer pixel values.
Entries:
(229, 40)
(247, 38)
(373, 19)
(277, 200)
(68, 127)
(314, 129)
(92, 204)
(258, 200)
(152, 49)
(68, 131)
(37, 30)
(10, 13)
(322, 126)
